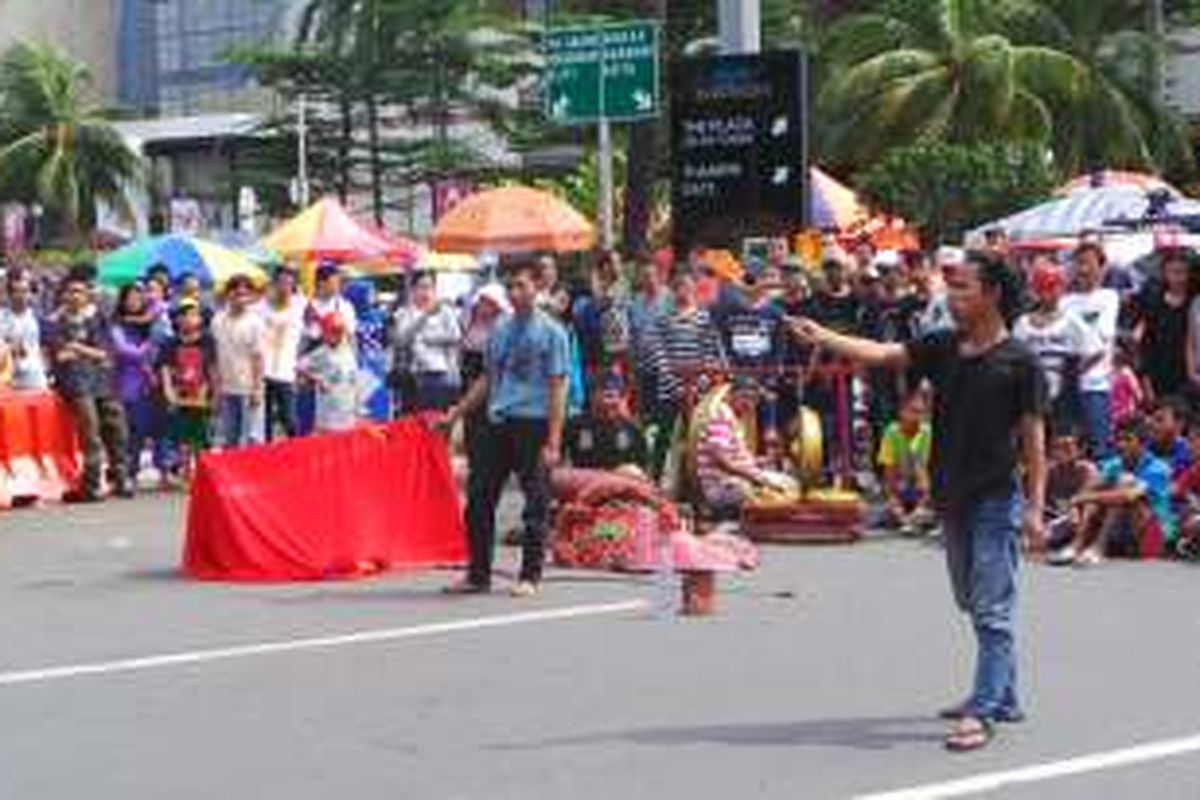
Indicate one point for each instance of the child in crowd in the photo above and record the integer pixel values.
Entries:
(1167, 425)
(187, 365)
(1185, 494)
(904, 453)
(1069, 475)
(1127, 393)
(239, 334)
(333, 369)
(1127, 511)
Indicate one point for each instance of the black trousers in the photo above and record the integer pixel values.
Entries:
(281, 408)
(502, 449)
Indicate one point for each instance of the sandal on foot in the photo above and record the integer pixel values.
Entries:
(957, 712)
(1008, 716)
(970, 734)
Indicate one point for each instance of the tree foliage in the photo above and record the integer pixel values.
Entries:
(946, 189)
(1077, 76)
(56, 148)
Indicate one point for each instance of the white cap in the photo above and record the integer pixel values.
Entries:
(495, 293)
(950, 257)
(885, 260)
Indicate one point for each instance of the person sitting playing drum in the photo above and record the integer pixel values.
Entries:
(729, 474)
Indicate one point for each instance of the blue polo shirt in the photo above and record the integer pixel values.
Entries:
(524, 353)
(1155, 477)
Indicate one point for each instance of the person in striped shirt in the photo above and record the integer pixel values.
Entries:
(726, 467)
(684, 346)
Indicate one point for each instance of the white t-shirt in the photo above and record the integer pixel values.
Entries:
(337, 395)
(1065, 337)
(281, 340)
(1099, 310)
(22, 331)
(239, 341)
(429, 343)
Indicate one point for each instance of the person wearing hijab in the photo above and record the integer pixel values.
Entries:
(134, 355)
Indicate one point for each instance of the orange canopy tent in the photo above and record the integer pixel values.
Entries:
(326, 231)
(513, 219)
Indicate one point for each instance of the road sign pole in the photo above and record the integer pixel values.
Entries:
(605, 155)
(740, 26)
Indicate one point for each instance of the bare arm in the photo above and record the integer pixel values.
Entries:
(1190, 350)
(1033, 446)
(866, 352)
(1121, 495)
(558, 414)
(473, 399)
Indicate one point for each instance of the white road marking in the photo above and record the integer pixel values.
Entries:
(991, 781)
(21, 677)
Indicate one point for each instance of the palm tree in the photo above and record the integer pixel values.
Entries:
(1119, 119)
(57, 148)
(925, 70)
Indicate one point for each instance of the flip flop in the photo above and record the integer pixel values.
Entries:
(1009, 716)
(970, 734)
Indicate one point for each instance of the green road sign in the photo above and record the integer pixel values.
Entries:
(608, 72)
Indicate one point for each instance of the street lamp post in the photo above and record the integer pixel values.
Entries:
(740, 24)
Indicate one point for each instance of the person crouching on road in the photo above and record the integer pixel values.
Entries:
(525, 392)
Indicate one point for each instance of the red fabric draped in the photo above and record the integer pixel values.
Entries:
(325, 507)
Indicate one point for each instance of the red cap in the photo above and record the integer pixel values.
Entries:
(1047, 278)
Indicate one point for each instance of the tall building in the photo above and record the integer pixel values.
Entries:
(174, 54)
(84, 29)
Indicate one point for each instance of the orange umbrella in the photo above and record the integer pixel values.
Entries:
(513, 219)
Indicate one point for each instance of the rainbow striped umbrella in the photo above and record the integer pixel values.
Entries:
(181, 255)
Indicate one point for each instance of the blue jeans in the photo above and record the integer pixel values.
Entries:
(147, 421)
(1097, 423)
(235, 421)
(983, 551)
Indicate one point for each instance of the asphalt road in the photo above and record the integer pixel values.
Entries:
(817, 679)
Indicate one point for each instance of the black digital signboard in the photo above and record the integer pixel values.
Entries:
(739, 129)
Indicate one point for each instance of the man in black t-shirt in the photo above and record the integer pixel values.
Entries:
(607, 438)
(988, 422)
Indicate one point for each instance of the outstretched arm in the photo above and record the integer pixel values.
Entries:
(862, 351)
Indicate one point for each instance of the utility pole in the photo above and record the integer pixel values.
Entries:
(302, 196)
(607, 234)
(740, 23)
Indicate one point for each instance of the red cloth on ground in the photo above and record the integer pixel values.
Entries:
(325, 507)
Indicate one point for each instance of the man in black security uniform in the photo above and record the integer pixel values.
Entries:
(988, 423)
